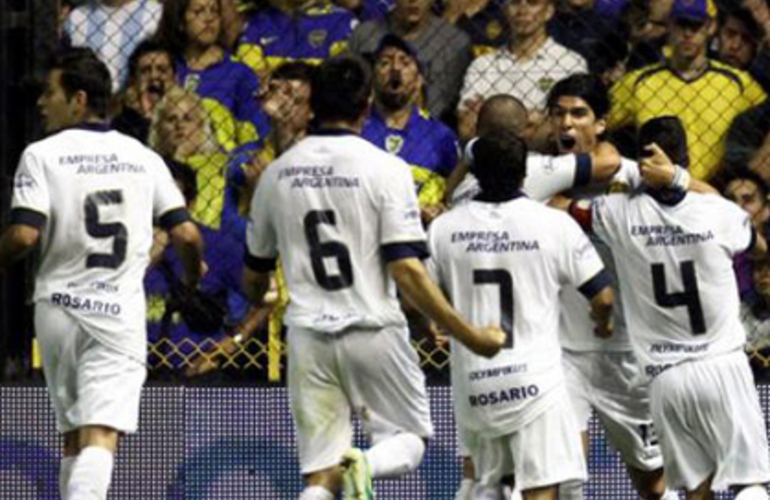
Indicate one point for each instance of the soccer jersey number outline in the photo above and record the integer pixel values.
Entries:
(100, 230)
(504, 281)
(319, 251)
(688, 297)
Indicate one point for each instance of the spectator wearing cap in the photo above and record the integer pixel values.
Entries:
(705, 94)
(398, 125)
(444, 50)
(527, 68)
(113, 29)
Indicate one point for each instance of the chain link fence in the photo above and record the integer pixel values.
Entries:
(220, 88)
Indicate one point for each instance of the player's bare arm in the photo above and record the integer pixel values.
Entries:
(16, 242)
(414, 282)
(605, 162)
(188, 243)
(601, 312)
(659, 171)
(255, 285)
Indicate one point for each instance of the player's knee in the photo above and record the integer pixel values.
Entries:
(754, 492)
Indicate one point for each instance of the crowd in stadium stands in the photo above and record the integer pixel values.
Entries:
(221, 87)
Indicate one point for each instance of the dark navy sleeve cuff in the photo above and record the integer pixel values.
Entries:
(259, 264)
(173, 218)
(28, 217)
(595, 284)
(405, 250)
(583, 170)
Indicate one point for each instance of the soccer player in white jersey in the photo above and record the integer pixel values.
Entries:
(682, 311)
(504, 258)
(344, 218)
(89, 195)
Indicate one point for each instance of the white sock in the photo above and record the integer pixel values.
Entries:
(395, 456)
(465, 490)
(65, 471)
(755, 492)
(316, 493)
(571, 490)
(91, 474)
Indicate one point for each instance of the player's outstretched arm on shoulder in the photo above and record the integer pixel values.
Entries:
(414, 282)
(601, 312)
(658, 171)
(16, 241)
(188, 243)
(605, 162)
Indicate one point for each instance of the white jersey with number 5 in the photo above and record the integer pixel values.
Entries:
(337, 209)
(676, 275)
(504, 264)
(94, 192)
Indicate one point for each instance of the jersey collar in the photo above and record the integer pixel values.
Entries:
(91, 126)
(333, 132)
(484, 199)
(669, 197)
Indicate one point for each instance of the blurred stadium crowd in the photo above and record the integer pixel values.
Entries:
(221, 87)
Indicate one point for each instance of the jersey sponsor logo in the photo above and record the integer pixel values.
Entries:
(267, 40)
(670, 236)
(498, 371)
(653, 371)
(394, 143)
(85, 304)
(316, 38)
(317, 177)
(492, 242)
(669, 347)
(504, 396)
(23, 181)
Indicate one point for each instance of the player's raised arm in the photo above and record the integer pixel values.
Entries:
(415, 284)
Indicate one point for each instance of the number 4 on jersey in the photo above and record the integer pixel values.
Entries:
(688, 297)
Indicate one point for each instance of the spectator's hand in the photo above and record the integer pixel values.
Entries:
(657, 169)
(440, 338)
(201, 365)
(488, 341)
(761, 12)
(467, 116)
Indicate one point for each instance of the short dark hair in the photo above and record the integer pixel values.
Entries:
(669, 134)
(172, 29)
(294, 70)
(146, 47)
(81, 70)
(744, 16)
(185, 176)
(341, 89)
(499, 164)
(590, 88)
(744, 174)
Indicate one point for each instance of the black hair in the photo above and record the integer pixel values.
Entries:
(744, 174)
(341, 90)
(668, 133)
(172, 30)
(184, 175)
(146, 47)
(82, 71)
(745, 17)
(294, 70)
(499, 164)
(590, 88)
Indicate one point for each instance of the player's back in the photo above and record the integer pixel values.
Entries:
(335, 203)
(505, 264)
(676, 275)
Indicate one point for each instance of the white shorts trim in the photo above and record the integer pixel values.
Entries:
(709, 421)
(372, 373)
(610, 384)
(89, 383)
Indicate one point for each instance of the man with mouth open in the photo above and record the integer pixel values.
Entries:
(398, 125)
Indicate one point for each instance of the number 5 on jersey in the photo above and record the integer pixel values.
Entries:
(504, 281)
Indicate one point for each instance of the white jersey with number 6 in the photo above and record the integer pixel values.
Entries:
(337, 209)
(504, 264)
(95, 193)
(676, 274)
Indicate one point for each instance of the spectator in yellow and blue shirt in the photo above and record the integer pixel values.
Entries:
(399, 126)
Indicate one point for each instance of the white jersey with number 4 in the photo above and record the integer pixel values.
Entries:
(337, 209)
(95, 192)
(679, 290)
(504, 264)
